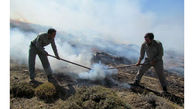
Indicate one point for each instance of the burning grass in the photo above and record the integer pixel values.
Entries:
(22, 89)
(46, 91)
(96, 97)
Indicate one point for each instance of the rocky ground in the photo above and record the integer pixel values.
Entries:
(147, 97)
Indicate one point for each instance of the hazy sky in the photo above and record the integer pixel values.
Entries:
(122, 21)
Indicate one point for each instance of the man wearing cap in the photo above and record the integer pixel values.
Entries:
(154, 52)
(37, 48)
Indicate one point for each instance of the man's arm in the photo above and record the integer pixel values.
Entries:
(55, 49)
(142, 54)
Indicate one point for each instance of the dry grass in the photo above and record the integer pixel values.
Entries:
(147, 101)
(159, 103)
(46, 91)
(96, 97)
(22, 89)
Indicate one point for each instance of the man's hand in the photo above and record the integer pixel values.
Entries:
(46, 53)
(138, 63)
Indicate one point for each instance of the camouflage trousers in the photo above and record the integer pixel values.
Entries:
(158, 69)
(31, 62)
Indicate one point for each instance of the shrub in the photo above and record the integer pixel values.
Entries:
(46, 91)
(158, 102)
(96, 97)
(151, 99)
(22, 89)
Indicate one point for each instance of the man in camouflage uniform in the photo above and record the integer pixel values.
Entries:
(154, 52)
(37, 48)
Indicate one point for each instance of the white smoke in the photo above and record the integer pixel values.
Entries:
(19, 45)
(19, 48)
(79, 53)
(121, 21)
(106, 25)
(98, 72)
(19, 52)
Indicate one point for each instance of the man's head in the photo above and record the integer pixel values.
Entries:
(149, 37)
(52, 33)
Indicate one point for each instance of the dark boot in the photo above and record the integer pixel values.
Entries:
(136, 83)
(51, 79)
(164, 89)
(32, 80)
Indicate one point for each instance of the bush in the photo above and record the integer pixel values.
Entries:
(22, 89)
(158, 103)
(96, 97)
(46, 91)
(151, 99)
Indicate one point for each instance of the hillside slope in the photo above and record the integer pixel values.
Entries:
(136, 98)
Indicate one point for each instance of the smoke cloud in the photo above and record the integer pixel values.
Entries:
(98, 72)
(19, 47)
(71, 47)
(120, 21)
(113, 26)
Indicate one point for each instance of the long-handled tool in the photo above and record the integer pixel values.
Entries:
(124, 66)
(91, 68)
(70, 62)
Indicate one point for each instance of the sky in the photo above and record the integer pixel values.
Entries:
(163, 7)
(121, 21)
